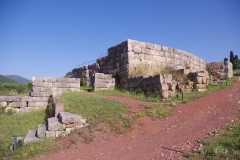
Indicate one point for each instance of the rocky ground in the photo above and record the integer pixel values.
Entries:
(167, 138)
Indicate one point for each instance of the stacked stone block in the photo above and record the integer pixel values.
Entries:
(200, 79)
(124, 57)
(221, 70)
(44, 87)
(24, 104)
(102, 81)
(62, 125)
(160, 84)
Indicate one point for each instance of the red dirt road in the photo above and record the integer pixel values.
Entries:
(160, 139)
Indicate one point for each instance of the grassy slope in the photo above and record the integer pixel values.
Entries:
(98, 110)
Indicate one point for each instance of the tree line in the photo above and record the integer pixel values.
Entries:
(234, 60)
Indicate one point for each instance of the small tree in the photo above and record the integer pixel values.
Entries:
(20, 89)
(231, 57)
(68, 75)
(225, 59)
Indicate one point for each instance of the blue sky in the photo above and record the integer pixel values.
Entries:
(41, 38)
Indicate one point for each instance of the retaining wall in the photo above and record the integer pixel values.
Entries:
(42, 88)
(130, 54)
(221, 70)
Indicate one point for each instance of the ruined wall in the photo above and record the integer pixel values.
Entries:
(102, 81)
(42, 88)
(130, 54)
(221, 70)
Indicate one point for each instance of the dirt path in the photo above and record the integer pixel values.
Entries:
(161, 139)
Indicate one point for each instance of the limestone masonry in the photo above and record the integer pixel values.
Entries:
(124, 57)
(42, 88)
(127, 57)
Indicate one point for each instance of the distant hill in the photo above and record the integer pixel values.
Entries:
(18, 79)
(4, 79)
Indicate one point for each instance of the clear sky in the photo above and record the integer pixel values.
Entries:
(41, 38)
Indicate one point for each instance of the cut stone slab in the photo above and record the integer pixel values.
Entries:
(69, 118)
(51, 134)
(3, 104)
(69, 130)
(18, 104)
(41, 131)
(54, 124)
(59, 107)
(31, 137)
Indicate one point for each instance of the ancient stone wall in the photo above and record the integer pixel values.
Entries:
(102, 81)
(42, 88)
(221, 70)
(128, 55)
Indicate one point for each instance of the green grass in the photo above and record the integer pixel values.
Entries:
(136, 94)
(225, 147)
(98, 111)
(19, 124)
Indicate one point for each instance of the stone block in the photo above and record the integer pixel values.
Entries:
(26, 99)
(11, 99)
(172, 85)
(42, 84)
(31, 137)
(18, 104)
(50, 79)
(132, 42)
(3, 104)
(40, 94)
(164, 49)
(62, 80)
(38, 79)
(157, 47)
(137, 49)
(73, 80)
(41, 131)
(142, 45)
(163, 87)
(39, 99)
(99, 75)
(75, 85)
(200, 86)
(164, 94)
(69, 130)
(51, 134)
(100, 85)
(54, 124)
(68, 118)
(58, 107)
(62, 85)
(38, 104)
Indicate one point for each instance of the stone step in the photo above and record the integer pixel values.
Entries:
(54, 124)
(41, 131)
(32, 137)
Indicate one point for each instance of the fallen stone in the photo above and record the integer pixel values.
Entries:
(58, 107)
(69, 130)
(31, 137)
(3, 104)
(11, 99)
(68, 118)
(50, 134)
(54, 124)
(41, 131)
